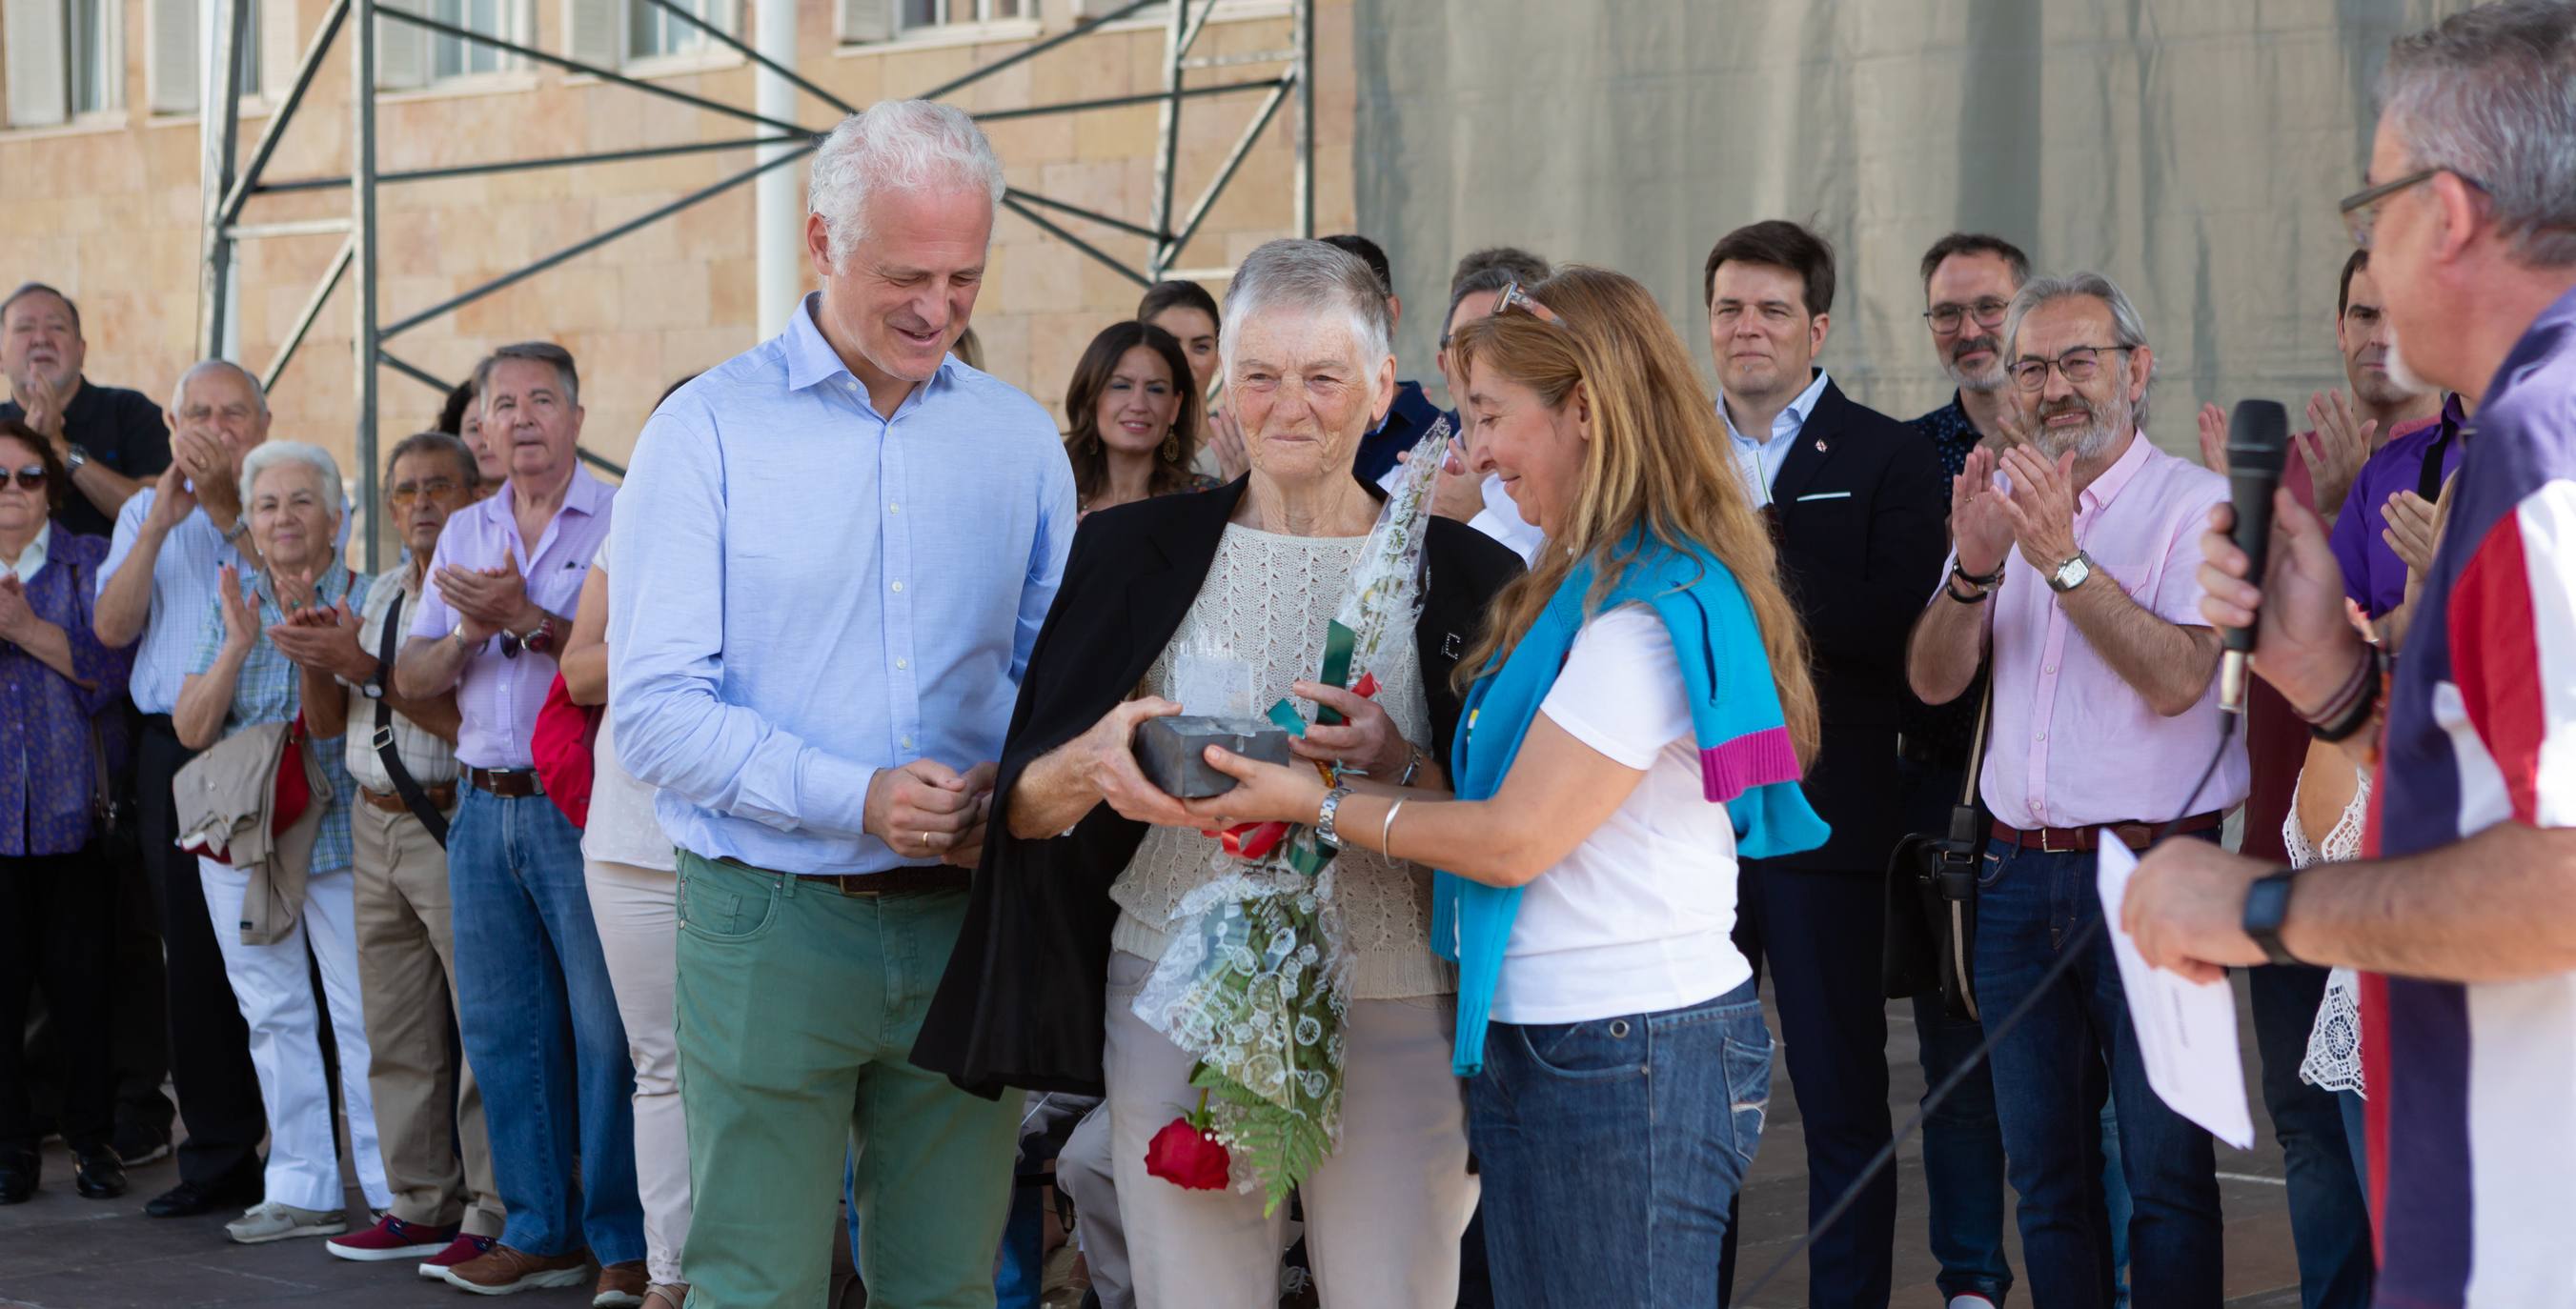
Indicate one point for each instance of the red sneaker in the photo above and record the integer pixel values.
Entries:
(391, 1238)
(464, 1249)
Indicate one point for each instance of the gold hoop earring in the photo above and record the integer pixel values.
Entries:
(1171, 445)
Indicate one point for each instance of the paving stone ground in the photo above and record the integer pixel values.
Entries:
(61, 1252)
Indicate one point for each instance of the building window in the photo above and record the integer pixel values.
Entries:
(653, 32)
(916, 14)
(451, 56)
(94, 62)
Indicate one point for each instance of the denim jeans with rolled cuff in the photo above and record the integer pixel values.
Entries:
(1611, 1150)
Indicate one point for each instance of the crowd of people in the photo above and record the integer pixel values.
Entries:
(652, 873)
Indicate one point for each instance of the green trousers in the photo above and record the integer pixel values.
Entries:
(797, 1009)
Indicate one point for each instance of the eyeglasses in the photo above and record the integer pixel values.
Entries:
(409, 493)
(2077, 366)
(2361, 209)
(1946, 318)
(31, 477)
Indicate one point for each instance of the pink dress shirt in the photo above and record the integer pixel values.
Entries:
(2073, 745)
(498, 695)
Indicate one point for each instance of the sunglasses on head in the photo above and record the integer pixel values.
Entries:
(30, 478)
(1514, 297)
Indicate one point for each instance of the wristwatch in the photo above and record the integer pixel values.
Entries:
(374, 687)
(75, 456)
(2071, 574)
(1332, 809)
(2267, 902)
(540, 640)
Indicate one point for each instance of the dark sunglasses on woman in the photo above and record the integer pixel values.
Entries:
(31, 477)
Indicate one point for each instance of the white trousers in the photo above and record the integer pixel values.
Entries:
(1384, 1212)
(639, 932)
(274, 987)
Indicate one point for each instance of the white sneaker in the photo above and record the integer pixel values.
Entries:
(272, 1221)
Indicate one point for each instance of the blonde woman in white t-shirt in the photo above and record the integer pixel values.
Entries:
(1649, 666)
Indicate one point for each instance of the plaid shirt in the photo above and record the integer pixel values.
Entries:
(427, 756)
(270, 689)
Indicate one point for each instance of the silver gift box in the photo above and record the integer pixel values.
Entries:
(1173, 751)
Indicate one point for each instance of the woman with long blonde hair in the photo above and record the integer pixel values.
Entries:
(1637, 713)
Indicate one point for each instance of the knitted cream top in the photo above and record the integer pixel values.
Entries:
(1267, 600)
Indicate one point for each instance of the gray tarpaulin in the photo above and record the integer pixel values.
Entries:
(2191, 149)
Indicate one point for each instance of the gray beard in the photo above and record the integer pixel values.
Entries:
(2092, 440)
(1984, 383)
(2401, 376)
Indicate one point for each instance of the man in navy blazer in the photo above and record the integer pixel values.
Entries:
(1856, 502)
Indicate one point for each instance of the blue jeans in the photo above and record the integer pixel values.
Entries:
(541, 1031)
(2049, 1075)
(1612, 1149)
(2329, 1220)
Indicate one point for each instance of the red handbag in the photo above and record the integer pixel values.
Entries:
(562, 743)
(292, 793)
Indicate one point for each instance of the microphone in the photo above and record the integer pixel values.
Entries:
(2258, 444)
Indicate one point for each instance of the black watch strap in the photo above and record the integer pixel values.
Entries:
(2267, 904)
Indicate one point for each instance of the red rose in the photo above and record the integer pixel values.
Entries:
(1187, 1157)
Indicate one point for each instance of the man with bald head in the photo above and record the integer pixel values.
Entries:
(155, 587)
(111, 440)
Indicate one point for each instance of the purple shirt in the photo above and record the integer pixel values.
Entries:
(2373, 575)
(498, 695)
(2073, 744)
(45, 717)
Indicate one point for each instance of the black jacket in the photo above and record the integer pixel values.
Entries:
(1858, 510)
(1022, 1002)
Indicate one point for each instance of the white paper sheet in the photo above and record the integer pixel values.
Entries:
(2186, 1030)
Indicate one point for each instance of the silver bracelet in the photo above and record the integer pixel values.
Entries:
(1386, 830)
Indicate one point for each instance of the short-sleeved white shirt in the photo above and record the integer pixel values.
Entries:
(1640, 918)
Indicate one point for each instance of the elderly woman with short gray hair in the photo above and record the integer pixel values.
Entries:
(292, 498)
(1087, 864)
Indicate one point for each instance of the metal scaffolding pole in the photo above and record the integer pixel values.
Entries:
(230, 191)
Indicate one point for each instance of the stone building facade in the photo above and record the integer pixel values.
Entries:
(99, 165)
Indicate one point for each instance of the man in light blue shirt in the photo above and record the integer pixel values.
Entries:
(815, 647)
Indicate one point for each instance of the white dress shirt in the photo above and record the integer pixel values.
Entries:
(1760, 461)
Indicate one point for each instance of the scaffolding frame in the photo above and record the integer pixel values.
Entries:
(231, 182)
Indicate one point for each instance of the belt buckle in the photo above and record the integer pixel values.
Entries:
(2046, 848)
(384, 737)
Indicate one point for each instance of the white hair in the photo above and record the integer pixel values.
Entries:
(2128, 331)
(1310, 278)
(179, 393)
(2490, 94)
(272, 454)
(903, 145)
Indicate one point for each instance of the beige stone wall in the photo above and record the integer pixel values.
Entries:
(111, 214)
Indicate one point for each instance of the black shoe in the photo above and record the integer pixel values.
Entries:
(137, 1145)
(97, 1174)
(189, 1199)
(17, 1176)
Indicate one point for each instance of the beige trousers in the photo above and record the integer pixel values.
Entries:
(639, 934)
(1384, 1212)
(407, 975)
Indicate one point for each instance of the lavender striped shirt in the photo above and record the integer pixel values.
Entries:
(498, 696)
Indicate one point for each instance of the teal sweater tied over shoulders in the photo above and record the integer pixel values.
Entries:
(1747, 762)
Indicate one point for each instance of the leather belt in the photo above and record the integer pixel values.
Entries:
(895, 881)
(2136, 836)
(441, 797)
(507, 783)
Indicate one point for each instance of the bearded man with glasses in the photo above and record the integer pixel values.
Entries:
(2077, 569)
